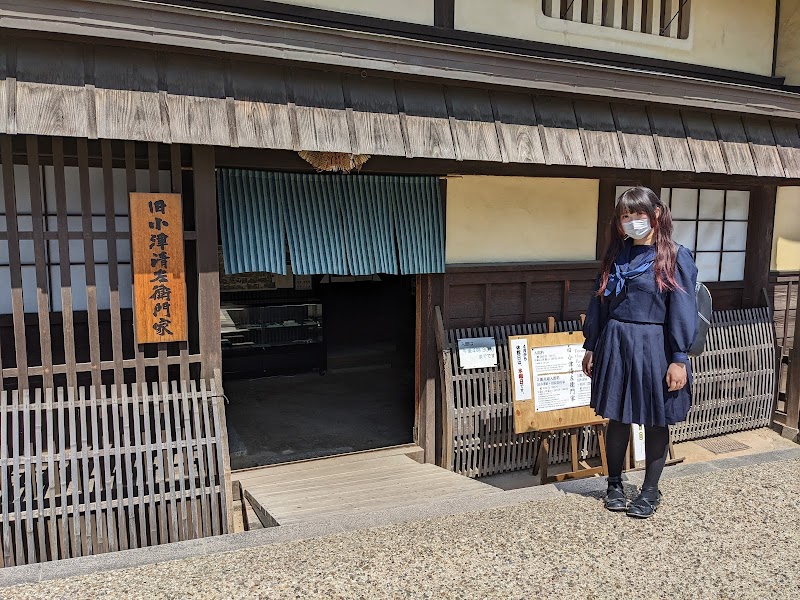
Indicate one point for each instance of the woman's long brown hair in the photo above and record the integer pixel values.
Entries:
(642, 200)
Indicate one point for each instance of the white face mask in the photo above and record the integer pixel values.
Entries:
(637, 229)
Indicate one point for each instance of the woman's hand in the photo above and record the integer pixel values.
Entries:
(676, 377)
(588, 361)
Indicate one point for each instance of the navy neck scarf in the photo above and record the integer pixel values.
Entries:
(620, 275)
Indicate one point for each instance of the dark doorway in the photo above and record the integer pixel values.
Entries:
(328, 370)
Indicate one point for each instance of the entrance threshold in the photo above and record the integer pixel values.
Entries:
(345, 484)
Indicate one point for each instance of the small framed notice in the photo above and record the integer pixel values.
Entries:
(477, 353)
(159, 277)
(549, 388)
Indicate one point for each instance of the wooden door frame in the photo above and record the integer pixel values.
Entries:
(429, 295)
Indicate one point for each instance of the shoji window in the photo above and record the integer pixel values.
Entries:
(712, 224)
(76, 247)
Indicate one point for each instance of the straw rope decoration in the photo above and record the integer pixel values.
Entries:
(334, 161)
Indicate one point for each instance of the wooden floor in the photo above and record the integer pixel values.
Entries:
(366, 481)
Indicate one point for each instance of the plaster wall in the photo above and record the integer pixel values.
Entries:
(520, 219)
(729, 34)
(786, 236)
(788, 59)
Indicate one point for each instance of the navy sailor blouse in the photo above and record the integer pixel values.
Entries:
(632, 296)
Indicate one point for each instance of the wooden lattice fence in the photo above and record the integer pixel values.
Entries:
(733, 391)
(86, 473)
(735, 378)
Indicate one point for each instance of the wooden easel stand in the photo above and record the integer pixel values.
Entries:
(578, 471)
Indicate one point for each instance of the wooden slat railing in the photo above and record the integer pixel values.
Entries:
(668, 18)
(85, 473)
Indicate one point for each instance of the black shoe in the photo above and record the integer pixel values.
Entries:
(615, 496)
(645, 504)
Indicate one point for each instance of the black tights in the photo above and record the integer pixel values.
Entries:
(656, 444)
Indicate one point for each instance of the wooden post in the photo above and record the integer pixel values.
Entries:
(605, 210)
(446, 413)
(444, 13)
(205, 199)
(760, 225)
(429, 295)
(792, 427)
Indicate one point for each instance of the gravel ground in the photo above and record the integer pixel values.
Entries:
(729, 534)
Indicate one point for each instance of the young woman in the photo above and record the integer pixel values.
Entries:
(641, 322)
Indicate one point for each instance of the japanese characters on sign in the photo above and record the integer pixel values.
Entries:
(558, 378)
(477, 353)
(522, 371)
(158, 268)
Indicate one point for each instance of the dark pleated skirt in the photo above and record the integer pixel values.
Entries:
(629, 376)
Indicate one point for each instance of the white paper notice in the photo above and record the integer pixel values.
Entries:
(522, 373)
(477, 353)
(638, 442)
(558, 379)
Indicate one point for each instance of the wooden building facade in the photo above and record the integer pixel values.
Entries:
(102, 99)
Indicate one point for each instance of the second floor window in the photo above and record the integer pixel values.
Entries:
(667, 18)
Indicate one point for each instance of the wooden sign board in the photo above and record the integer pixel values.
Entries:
(549, 388)
(159, 277)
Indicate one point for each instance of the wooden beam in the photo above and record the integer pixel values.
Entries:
(444, 13)
(760, 224)
(205, 206)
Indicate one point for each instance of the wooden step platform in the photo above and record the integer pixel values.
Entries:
(362, 482)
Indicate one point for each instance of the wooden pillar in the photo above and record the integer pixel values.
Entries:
(430, 294)
(606, 202)
(792, 427)
(205, 198)
(760, 224)
(444, 13)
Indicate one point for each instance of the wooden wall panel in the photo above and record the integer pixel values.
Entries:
(473, 124)
(486, 295)
(636, 139)
(734, 143)
(518, 294)
(544, 300)
(507, 303)
(599, 133)
(561, 139)
(52, 109)
(376, 116)
(703, 142)
(129, 115)
(670, 138)
(578, 298)
(762, 143)
(517, 128)
(465, 304)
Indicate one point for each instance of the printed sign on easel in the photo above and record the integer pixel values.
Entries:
(549, 388)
